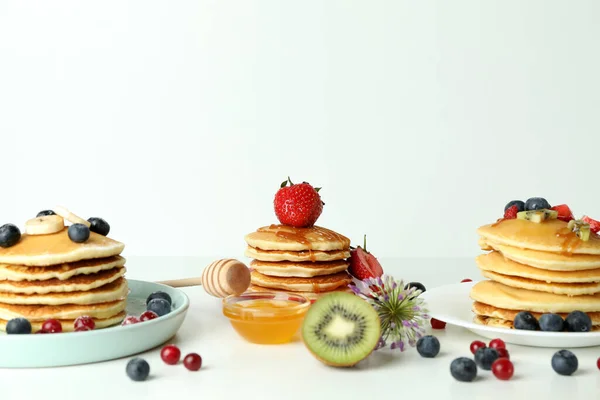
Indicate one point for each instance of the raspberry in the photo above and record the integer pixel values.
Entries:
(511, 212)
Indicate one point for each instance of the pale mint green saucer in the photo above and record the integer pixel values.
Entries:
(60, 349)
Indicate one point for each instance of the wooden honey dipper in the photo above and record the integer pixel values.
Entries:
(220, 278)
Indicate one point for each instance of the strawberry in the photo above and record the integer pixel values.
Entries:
(564, 212)
(511, 212)
(298, 205)
(594, 225)
(363, 264)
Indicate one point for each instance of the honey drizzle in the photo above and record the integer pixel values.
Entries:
(570, 241)
(497, 222)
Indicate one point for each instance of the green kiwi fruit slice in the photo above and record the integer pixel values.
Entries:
(340, 329)
(537, 215)
(580, 228)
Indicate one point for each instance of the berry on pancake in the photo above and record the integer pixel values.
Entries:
(594, 225)
(363, 264)
(564, 212)
(511, 212)
(298, 205)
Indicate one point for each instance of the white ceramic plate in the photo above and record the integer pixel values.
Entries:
(452, 304)
(71, 348)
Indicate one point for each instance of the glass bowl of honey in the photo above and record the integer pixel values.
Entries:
(266, 317)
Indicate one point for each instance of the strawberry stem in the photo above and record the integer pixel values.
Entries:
(365, 243)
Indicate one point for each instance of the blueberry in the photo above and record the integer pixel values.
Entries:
(428, 346)
(9, 235)
(564, 362)
(552, 323)
(536, 203)
(138, 369)
(44, 213)
(463, 369)
(526, 321)
(520, 205)
(159, 306)
(159, 295)
(485, 357)
(100, 226)
(79, 233)
(416, 285)
(578, 321)
(18, 326)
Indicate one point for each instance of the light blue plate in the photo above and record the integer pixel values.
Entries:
(71, 348)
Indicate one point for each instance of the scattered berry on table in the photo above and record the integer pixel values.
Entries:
(463, 369)
(78, 233)
(578, 321)
(298, 205)
(466, 280)
(9, 235)
(428, 346)
(476, 345)
(43, 213)
(485, 357)
(497, 344)
(18, 326)
(99, 226)
(503, 369)
(159, 306)
(159, 295)
(536, 203)
(147, 316)
(437, 324)
(564, 362)
(137, 369)
(552, 323)
(598, 363)
(170, 354)
(416, 285)
(518, 203)
(84, 321)
(52, 326)
(511, 213)
(130, 320)
(192, 361)
(503, 353)
(526, 321)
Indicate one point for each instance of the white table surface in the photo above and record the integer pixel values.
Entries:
(234, 369)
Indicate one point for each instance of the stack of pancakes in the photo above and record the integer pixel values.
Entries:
(51, 277)
(309, 261)
(536, 267)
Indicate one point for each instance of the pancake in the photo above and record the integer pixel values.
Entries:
(547, 260)
(489, 311)
(66, 311)
(57, 248)
(315, 285)
(306, 270)
(502, 323)
(502, 296)
(67, 324)
(568, 289)
(496, 262)
(309, 295)
(78, 283)
(62, 271)
(297, 256)
(551, 236)
(115, 290)
(288, 238)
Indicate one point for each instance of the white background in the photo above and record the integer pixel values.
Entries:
(177, 120)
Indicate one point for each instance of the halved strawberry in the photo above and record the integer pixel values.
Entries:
(363, 264)
(594, 225)
(564, 212)
(511, 212)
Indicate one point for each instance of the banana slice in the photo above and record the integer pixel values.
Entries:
(44, 225)
(69, 216)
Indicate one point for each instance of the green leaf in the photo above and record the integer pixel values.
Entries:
(317, 190)
(283, 184)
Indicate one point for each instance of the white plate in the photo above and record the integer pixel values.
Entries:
(452, 304)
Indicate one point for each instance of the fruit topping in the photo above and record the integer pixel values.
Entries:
(594, 225)
(52, 326)
(515, 203)
(416, 286)
(503, 353)
(130, 320)
(363, 264)
(44, 225)
(580, 228)
(79, 233)
(537, 215)
(147, 316)
(428, 346)
(159, 295)
(45, 212)
(526, 321)
(437, 324)
(192, 361)
(298, 205)
(564, 362)
(99, 226)
(84, 322)
(341, 329)
(463, 369)
(476, 345)
(69, 216)
(552, 323)
(466, 280)
(137, 369)
(497, 344)
(159, 306)
(598, 363)
(564, 212)
(170, 354)
(18, 326)
(578, 321)
(536, 203)
(503, 369)
(511, 212)
(9, 235)
(82, 329)
(485, 357)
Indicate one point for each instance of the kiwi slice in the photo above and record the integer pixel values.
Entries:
(537, 215)
(340, 329)
(581, 229)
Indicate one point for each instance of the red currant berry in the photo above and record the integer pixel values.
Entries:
(437, 324)
(82, 328)
(503, 369)
(148, 315)
(170, 354)
(52, 326)
(598, 363)
(503, 353)
(466, 280)
(41, 331)
(497, 344)
(192, 361)
(84, 321)
(129, 320)
(476, 345)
